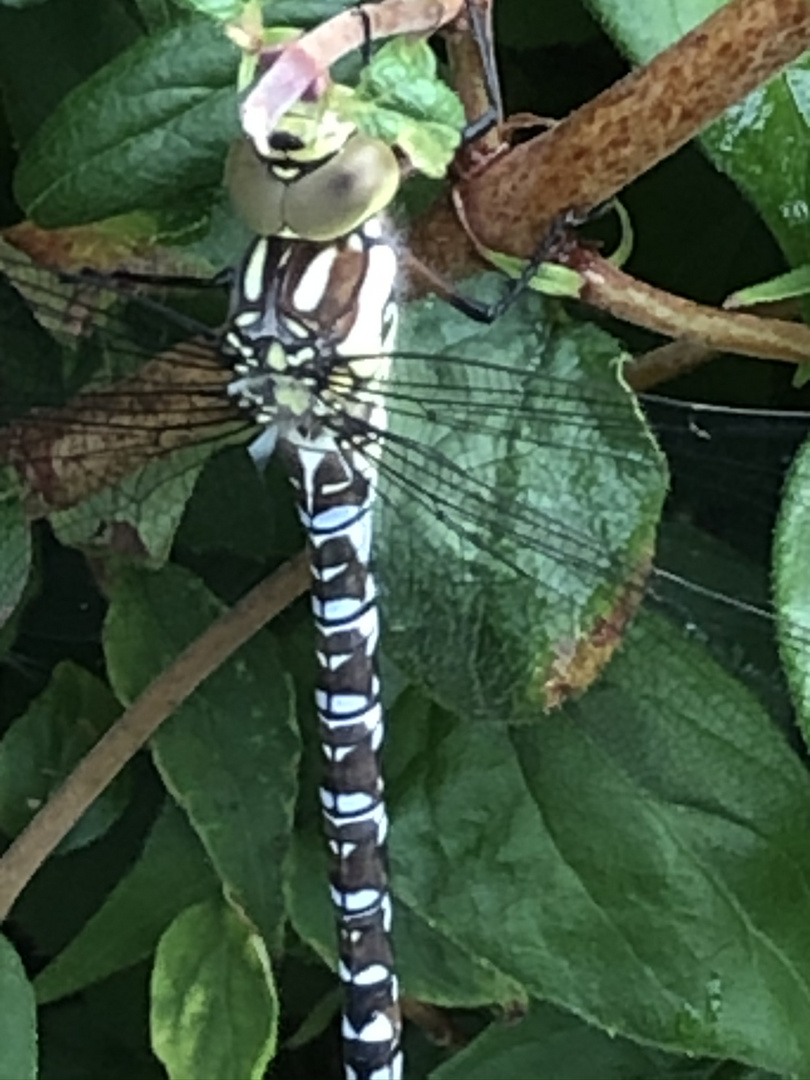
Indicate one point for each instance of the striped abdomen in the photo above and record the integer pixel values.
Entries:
(336, 506)
(309, 332)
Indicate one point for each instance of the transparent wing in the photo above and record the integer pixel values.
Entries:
(520, 498)
(520, 485)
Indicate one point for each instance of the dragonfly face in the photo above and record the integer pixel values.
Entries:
(319, 190)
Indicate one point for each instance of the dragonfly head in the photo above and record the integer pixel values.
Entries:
(322, 179)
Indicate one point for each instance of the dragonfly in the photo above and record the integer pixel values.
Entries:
(519, 491)
(507, 575)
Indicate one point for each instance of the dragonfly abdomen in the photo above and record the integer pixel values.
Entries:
(344, 603)
(310, 330)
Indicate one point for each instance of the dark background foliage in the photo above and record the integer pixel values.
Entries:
(704, 820)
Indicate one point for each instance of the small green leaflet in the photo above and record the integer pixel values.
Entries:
(18, 1025)
(787, 286)
(214, 1001)
(400, 99)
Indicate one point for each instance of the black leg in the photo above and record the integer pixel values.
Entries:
(481, 32)
(365, 48)
(221, 280)
(123, 281)
(482, 125)
(515, 287)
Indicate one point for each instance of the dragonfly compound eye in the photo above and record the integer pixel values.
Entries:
(256, 195)
(319, 203)
(359, 181)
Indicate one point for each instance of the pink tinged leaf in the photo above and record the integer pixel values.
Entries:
(294, 74)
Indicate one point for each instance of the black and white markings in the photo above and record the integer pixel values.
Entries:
(298, 376)
(314, 282)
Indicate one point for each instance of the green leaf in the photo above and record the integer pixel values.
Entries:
(638, 859)
(46, 50)
(18, 1028)
(581, 501)
(40, 749)
(15, 547)
(784, 287)
(316, 1023)
(551, 1044)
(33, 361)
(237, 508)
(430, 965)
(641, 36)
(792, 583)
(402, 75)
(171, 874)
(229, 754)
(401, 100)
(156, 15)
(169, 99)
(550, 279)
(143, 511)
(761, 142)
(221, 10)
(214, 1004)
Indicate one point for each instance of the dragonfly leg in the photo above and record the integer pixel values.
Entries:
(481, 29)
(223, 279)
(556, 235)
(365, 48)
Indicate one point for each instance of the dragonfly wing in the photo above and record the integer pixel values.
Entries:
(512, 551)
(119, 460)
(792, 583)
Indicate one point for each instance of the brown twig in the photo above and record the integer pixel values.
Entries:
(437, 1024)
(681, 356)
(467, 55)
(664, 363)
(140, 721)
(608, 287)
(587, 158)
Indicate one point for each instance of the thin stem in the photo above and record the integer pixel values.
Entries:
(140, 721)
(627, 298)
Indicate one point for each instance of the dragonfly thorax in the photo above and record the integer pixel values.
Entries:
(310, 331)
